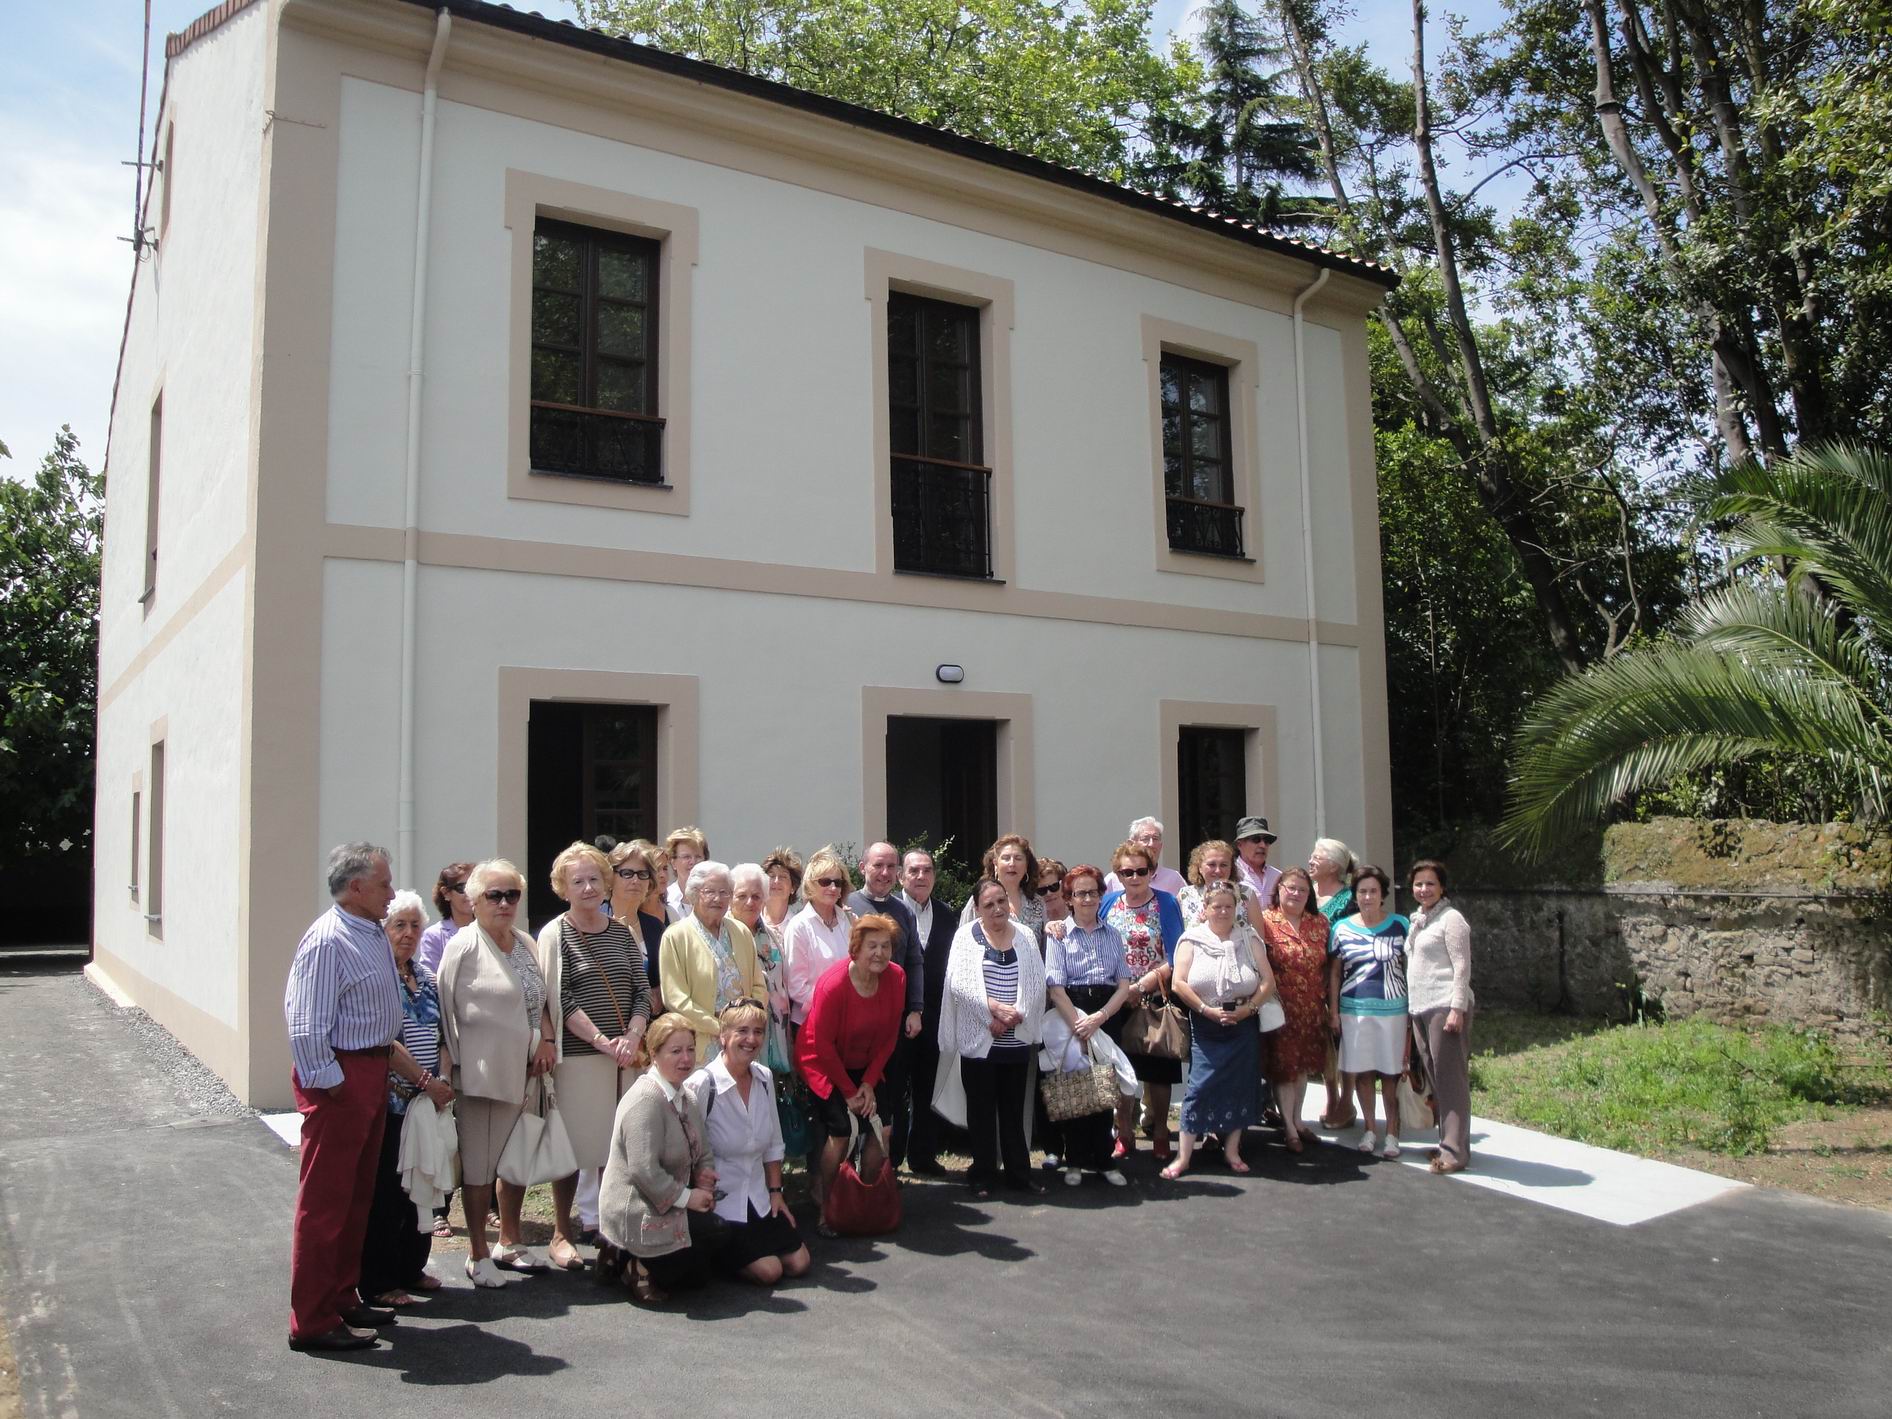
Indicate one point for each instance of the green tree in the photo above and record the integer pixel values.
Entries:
(1074, 83)
(49, 637)
(1759, 666)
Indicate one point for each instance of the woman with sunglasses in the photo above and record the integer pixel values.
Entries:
(817, 934)
(736, 1093)
(497, 1038)
(595, 984)
(1151, 924)
(637, 906)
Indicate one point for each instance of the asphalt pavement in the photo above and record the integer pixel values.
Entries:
(144, 1244)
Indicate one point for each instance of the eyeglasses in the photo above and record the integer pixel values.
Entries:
(834, 882)
(634, 874)
(507, 895)
(1085, 894)
(1133, 872)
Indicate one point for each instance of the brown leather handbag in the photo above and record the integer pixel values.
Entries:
(1160, 1031)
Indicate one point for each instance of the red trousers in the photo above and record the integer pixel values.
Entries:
(341, 1148)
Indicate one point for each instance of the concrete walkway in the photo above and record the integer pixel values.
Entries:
(144, 1248)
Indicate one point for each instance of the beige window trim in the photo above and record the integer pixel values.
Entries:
(1261, 753)
(995, 297)
(676, 698)
(1243, 361)
(1016, 754)
(531, 195)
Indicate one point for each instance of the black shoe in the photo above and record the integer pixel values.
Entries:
(1030, 1185)
(368, 1316)
(342, 1337)
(925, 1168)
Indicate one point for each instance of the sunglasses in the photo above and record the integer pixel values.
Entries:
(834, 882)
(507, 895)
(1133, 872)
(1085, 894)
(454, 886)
(634, 874)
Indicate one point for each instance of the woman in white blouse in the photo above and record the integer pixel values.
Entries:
(1439, 999)
(737, 1096)
(817, 934)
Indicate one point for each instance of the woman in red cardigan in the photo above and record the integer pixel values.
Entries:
(853, 1023)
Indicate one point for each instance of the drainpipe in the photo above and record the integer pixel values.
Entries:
(1307, 555)
(410, 527)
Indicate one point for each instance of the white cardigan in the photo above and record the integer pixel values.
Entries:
(964, 1017)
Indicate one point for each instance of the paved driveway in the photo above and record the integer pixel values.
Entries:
(144, 1255)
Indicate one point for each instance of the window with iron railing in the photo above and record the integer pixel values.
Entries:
(1198, 459)
(942, 488)
(594, 355)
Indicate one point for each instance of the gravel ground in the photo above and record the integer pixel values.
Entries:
(198, 1090)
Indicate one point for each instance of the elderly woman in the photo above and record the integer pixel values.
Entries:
(686, 847)
(1330, 864)
(1211, 862)
(659, 1183)
(1087, 982)
(784, 869)
(1051, 875)
(852, 1026)
(748, 901)
(707, 961)
(1150, 923)
(394, 1251)
(1296, 937)
(736, 1095)
(1222, 975)
(497, 1038)
(637, 906)
(991, 1018)
(817, 935)
(595, 985)
(1439, 994)
(1366, 998)
(1011, 863)
(456, 913)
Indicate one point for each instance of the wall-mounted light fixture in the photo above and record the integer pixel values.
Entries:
(949, 674)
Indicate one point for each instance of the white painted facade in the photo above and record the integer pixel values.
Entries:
(782, 494)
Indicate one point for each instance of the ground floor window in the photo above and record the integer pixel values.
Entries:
(1211, 784)
(942, 782)
(591, 769)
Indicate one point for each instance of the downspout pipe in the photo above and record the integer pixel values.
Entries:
(404, 863)
(1307, 552)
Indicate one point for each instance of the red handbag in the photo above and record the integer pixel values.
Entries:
(858, 1206)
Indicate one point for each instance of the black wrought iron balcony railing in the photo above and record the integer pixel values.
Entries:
(1214, 529)
(597, 443)
(942, 517)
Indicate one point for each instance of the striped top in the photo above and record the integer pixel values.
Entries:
(342, 994)
(420, 1033)
(602, 975)
(1001, 983)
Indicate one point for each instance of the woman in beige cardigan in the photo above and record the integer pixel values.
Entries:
(707, 961)
(497, 1036)
(1439, 1001)
(659, 1180)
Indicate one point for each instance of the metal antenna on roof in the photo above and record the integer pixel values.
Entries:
(141, 237)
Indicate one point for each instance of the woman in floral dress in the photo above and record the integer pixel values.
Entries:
(1150, 923)
(1296, 937)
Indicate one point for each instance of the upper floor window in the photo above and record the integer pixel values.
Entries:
(942, 486)
(594, 355)
(1198, 458)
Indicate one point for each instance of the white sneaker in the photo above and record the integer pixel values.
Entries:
(1391, 1150)
(484, 1274)
(1367, 1143)
(1116, 1179)
(1073, 1177)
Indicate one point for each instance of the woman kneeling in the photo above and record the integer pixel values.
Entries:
(736, 1096)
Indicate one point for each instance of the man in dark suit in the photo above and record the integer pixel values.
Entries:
(917, 1138)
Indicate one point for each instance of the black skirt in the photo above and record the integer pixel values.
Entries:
(762, 1235)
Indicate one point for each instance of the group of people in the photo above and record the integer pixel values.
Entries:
(692, 1024)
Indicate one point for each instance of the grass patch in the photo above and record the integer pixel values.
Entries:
(1656, 1087)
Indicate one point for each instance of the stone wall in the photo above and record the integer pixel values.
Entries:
(1741, 921)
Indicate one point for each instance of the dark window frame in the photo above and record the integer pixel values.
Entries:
(587, 421)
(941, 506)
(1210, 527)
(1211, 783)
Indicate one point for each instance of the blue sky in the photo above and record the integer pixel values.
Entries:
(69, 117)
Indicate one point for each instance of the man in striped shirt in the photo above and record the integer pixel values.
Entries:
(343, 1008)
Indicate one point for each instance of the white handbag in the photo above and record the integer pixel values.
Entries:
(539, 1149)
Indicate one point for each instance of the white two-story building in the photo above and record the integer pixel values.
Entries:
(522, 435)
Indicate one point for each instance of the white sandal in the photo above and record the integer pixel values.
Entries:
(1367, 1144)
(484, 1274)
(517, 1258)
(1391, 1150)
